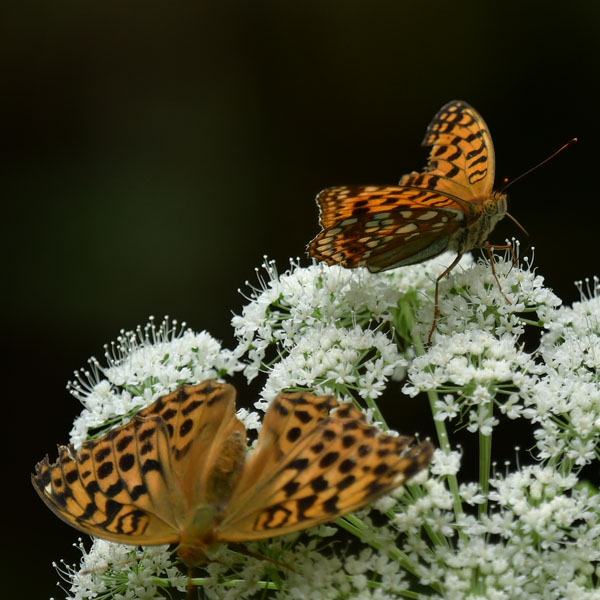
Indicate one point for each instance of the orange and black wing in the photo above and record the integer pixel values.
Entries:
(135, 484)
(382, 227)
(310, 467)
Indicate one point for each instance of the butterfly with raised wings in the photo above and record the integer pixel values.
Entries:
(450, 205)
(178, 472)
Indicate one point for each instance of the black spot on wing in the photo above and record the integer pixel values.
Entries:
(329, 459)
(137, 491)
(92, 488)
(305, 503)
(281, 409)
(363, 450)
(146, 433)
(299, 464)
(328, 435)
(191, 407)
(290, 488)
(185, 427)
(169, 414)
(71, 477)
(318, 484)
(101, 454)
(347, 465)
(303, 416)
(293, 434)
(380, 469)
(114, 489)
(346, 482)
(88, 513)
(330, 505)
(348, 441)
(124, 442)
(105, 469)
(151, 465)
(317, 448)
(453, 172)
(126, 462)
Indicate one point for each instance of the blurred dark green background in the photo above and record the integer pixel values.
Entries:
(152, 153)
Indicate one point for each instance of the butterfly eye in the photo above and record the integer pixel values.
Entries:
(490, 206)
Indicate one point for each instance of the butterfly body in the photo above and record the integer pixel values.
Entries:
(485, 214)
(451, 205)
(179, 473)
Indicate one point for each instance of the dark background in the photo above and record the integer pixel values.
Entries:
(152, 154)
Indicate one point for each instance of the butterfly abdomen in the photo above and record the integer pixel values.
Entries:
(227, 469)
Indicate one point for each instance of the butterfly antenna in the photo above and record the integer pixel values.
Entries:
(506, 183)
(518, 224)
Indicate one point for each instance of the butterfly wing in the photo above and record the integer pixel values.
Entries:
(115, 487)
(382, 227)
(199, 419)
(310, 467)
(461, 160)
(133, 484)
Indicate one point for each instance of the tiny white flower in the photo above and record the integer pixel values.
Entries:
(445, 463)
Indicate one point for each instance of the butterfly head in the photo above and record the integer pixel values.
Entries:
(494, 207)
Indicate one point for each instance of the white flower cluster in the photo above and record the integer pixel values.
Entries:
(477, 359)
(335, 359)
(327, 328)
(283, 308)
(470, 299)
(121, 572)
(532, 532)
(141, 366)
(566, 403)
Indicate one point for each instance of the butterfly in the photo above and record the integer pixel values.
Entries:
(178, 472)
(450, 205)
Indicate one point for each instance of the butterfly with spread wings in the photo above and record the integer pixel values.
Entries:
(178, 473)
(451, 205)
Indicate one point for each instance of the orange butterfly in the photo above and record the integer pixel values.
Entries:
(451, 205)
(177, 473)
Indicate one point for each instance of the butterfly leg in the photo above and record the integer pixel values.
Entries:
(436, 309)
(489, 248)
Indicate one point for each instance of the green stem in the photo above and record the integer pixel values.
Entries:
(537, 323)
(443, 440)
(376, 412)
(485, 457)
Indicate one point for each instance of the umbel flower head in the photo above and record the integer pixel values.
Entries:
(527, 530)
